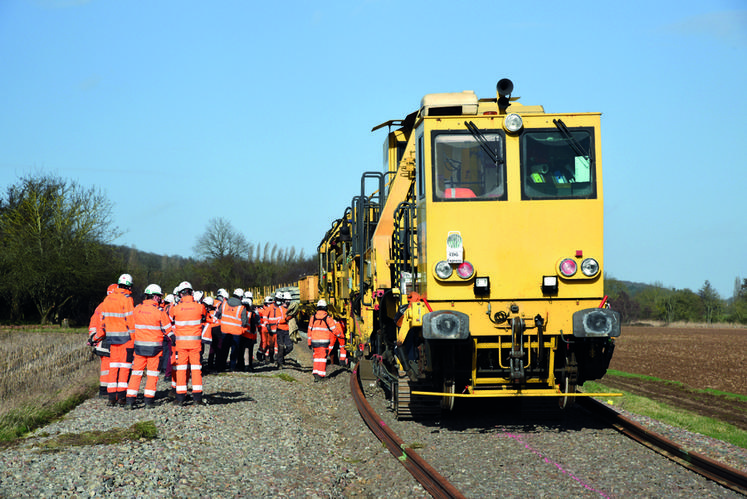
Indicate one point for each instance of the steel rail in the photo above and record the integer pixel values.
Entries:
(429, 478)
(718, 472)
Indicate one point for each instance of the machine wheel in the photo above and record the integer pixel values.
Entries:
(447, 403)
(568, 382)
(567, 402)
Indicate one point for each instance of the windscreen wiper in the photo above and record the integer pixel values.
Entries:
(480, 138)
(571, 139)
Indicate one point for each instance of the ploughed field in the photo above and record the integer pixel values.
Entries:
(698, 358)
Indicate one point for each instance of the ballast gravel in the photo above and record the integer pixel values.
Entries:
(276, 433)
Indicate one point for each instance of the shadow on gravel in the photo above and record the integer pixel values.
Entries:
(163, 398)
(222, 398)
(335, 371)
(290, 365)
(490, 416)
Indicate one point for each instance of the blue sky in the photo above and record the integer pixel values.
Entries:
(183, 111)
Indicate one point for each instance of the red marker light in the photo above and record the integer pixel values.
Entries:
(568, 267)
(465, 270)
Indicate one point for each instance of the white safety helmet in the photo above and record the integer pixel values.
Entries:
(248, 294)
(208, 301)
(153, 289)
(287, 296)
(247, 302)
(268, 299)
(169, 298)
(222, 293)
(125, 280)
(184, 285)
(279, 296)
(198, 296)
(321, 303)
(238, 292)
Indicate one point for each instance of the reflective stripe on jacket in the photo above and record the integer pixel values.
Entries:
(189, 317)
(321, 328)
(232, 317)
(152, 325)
(116, 318)
(276, 318)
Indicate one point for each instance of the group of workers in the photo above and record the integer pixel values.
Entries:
(171, 334)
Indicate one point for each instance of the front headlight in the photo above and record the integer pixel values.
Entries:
(445, 325)
(513, 123)
(596, 323)
(444, 269)
(590, 267)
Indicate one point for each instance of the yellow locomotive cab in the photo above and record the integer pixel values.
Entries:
(472, 265)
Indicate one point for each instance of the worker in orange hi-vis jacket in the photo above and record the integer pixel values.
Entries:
(321, 328)
(233, 320)
(283, 341)
(210, 326)
(152, 325)
(100, 347)
(267, 346)
(117, 326)
(338, 339)
(189, 319)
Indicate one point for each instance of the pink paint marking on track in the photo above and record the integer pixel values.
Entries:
(550, 461)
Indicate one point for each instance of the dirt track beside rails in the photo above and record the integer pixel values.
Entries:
(699, 358)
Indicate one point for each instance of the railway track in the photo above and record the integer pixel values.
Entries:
(439, 487)
(713, 470)
(429, 478)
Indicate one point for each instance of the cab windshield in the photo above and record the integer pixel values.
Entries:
(463, 170)
(557, 164)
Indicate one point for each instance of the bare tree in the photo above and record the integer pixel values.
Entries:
(221, 240)
(53, 234)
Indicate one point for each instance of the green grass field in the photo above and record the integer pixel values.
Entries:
(672, 415)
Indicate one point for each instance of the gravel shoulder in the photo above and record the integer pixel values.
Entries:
(262, 435)
(267, 434)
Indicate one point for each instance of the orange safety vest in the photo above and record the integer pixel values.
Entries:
(276, 318)
(207, 328)
(188, 317)
(151, 326)
(230, 319)
(116, 318)
(262, 311)
(321, 328)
